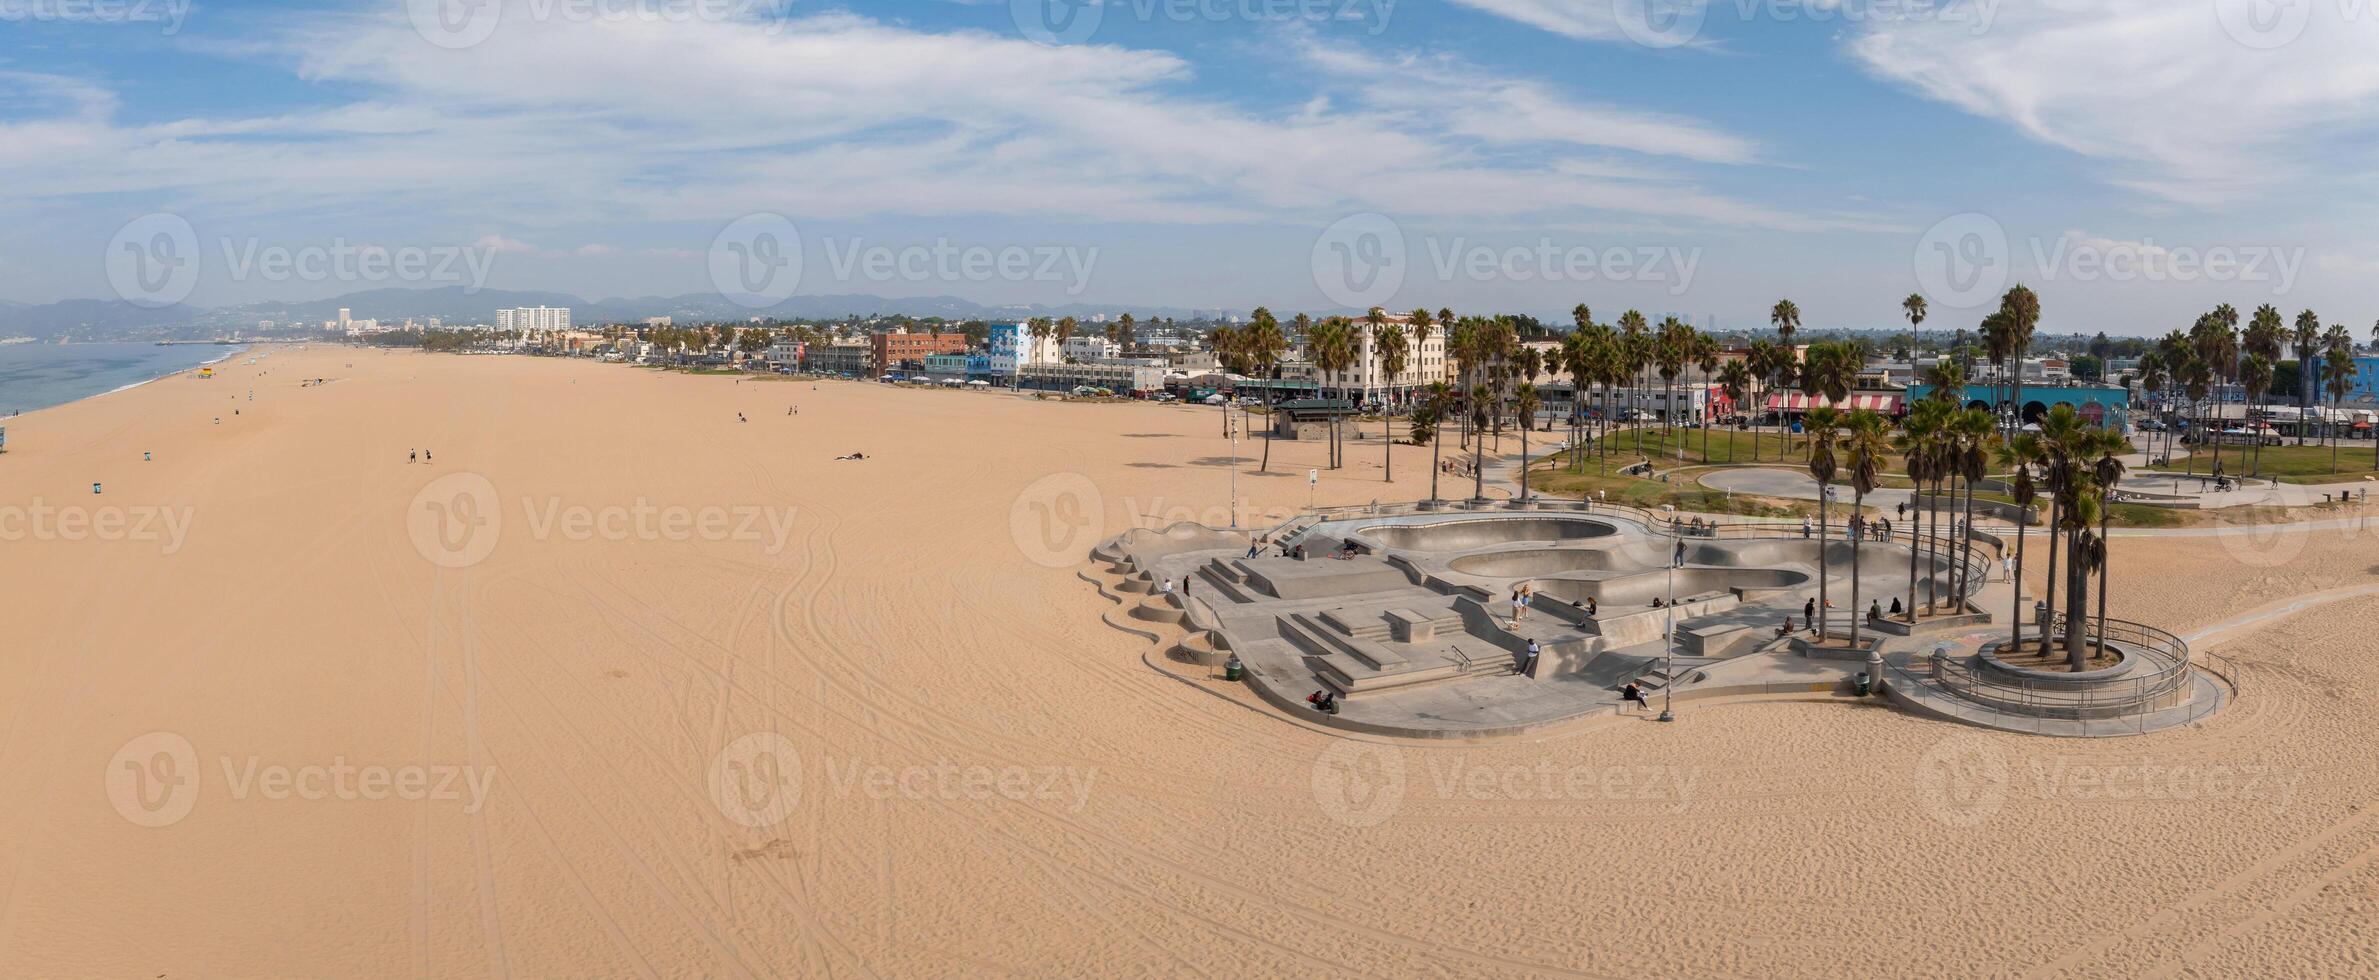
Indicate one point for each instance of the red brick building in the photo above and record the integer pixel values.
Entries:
(907, 351)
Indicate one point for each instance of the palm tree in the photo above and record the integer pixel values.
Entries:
(1527, 404)
(2061, 441)
(1914, 309)
(2021, 307)
(1261, 344)
(1705, 359)
(2337, 372)
(1974, 432)
(1331, 347)
(1762, 363)
(1479, 416)
(1918, 443)
(1734, 378)
(2265, 333)
(2019, 455)
(1821, 424)
(1393, 349)
(2109, 472)
(1672, 348)
(1865, 442)
(2306, 340)
(1634, 352)
(1436, 404)
(1785, 316)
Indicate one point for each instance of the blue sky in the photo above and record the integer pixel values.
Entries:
(1519, 155)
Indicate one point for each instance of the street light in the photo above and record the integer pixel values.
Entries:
(1668, 690)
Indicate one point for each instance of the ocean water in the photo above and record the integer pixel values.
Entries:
(41, 375)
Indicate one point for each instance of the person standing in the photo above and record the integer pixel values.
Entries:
(1528, 662)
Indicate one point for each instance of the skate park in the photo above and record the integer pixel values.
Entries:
(1418, 623)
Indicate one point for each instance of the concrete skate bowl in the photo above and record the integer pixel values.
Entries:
(1532, 563)
(1639, 589)
(1466, 535)
(1142, 547)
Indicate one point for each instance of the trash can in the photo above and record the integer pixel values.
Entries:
(1232, 668)
(1866, 684)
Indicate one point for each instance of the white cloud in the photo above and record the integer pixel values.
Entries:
(2181, 92)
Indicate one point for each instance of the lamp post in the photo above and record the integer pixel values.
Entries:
(1668, 691)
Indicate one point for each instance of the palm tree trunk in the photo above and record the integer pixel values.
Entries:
(1388, 447)
(1436, 441)
(2077, 603)
(1858, 510)
(1267, 465)
(1524, 461)
(1965, 555)
(1825, 615)
(1915, 530)
(2049, 599)
(2105, 519)
(2015, 614)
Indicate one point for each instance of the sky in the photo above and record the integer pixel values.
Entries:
(2134, 161)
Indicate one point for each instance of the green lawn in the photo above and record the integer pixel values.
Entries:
(2287, 464)
(1553, 477)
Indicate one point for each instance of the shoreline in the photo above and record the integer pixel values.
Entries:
(30, 412)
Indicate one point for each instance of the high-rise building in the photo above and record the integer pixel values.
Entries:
(533, 320)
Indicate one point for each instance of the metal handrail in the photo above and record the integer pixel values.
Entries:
(2169, 656)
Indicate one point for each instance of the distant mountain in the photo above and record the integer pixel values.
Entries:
(117, 320)
(93, 319)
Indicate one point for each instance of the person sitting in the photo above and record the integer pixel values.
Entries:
(1592, 608)
(853, 456)
(1874, 611)
(1786, 629)
(1655, 602)
(1896, 610)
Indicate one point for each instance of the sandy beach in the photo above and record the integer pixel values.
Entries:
(618, 685)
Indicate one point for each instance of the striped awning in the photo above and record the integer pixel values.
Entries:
(1794, 401)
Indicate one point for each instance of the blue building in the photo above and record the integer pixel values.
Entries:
(2102, 405)
(2364, 395)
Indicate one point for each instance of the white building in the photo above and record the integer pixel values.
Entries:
(534, 320)
(1087, 348)
(1424, 362)
(1013, 348)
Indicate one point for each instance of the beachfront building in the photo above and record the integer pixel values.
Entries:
(968, 366)
(1012, 346)
(902, 351)
(785, 352)
(1122, 375)
(1366, 378)
(1684, 402)
(534, 321)
(845, 357)
(1089, 348)
(2098, 405)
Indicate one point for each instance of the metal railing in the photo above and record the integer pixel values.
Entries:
(2165, 672)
